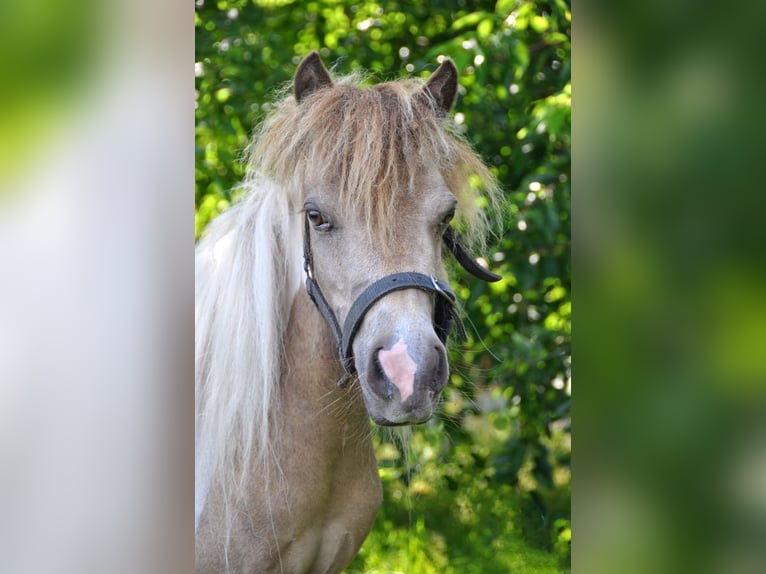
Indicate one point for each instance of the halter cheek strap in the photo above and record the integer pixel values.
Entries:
(312, 287)
(445, 314)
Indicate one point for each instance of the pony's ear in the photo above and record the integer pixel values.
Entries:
(442, 87)
(310, 76)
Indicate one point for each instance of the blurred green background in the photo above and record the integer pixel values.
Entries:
(48, 55)
(485, 486)
(670, 288)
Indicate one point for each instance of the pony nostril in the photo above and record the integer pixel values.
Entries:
(440, 370)
(399, 368)
(377, 380)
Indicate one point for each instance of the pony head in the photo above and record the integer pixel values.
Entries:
(378, 176)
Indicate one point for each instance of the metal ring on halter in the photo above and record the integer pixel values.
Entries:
(435, 283)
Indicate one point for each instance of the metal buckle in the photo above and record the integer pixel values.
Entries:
(308, 269)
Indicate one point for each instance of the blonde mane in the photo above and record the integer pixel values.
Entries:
(370, 144)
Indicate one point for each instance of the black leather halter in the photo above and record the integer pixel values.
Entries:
(445, 314)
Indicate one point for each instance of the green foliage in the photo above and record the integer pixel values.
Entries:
(49, 52)
(446, 512)
(485, 487)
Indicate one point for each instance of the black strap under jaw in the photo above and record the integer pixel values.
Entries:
(445, 314)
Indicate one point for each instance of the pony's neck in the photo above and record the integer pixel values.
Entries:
(327, 492)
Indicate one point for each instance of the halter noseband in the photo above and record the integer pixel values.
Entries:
(445, 314)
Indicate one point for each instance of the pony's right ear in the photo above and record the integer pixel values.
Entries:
(310, 76)
(442, 87)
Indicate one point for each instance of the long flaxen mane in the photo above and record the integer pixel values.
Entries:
(369, 143)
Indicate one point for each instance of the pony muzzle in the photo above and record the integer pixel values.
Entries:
(403, 382)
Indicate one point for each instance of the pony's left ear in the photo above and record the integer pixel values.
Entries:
(310, 76)
(442, 87)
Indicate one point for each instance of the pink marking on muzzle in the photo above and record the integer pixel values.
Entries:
(399, 367)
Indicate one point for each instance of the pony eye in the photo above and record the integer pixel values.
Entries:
(317, 219)
(448, 217)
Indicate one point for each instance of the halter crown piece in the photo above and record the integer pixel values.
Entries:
(445, 314)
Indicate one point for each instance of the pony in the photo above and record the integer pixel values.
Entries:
(353, 191)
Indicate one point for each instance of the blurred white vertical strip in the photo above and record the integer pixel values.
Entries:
(96, 317)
